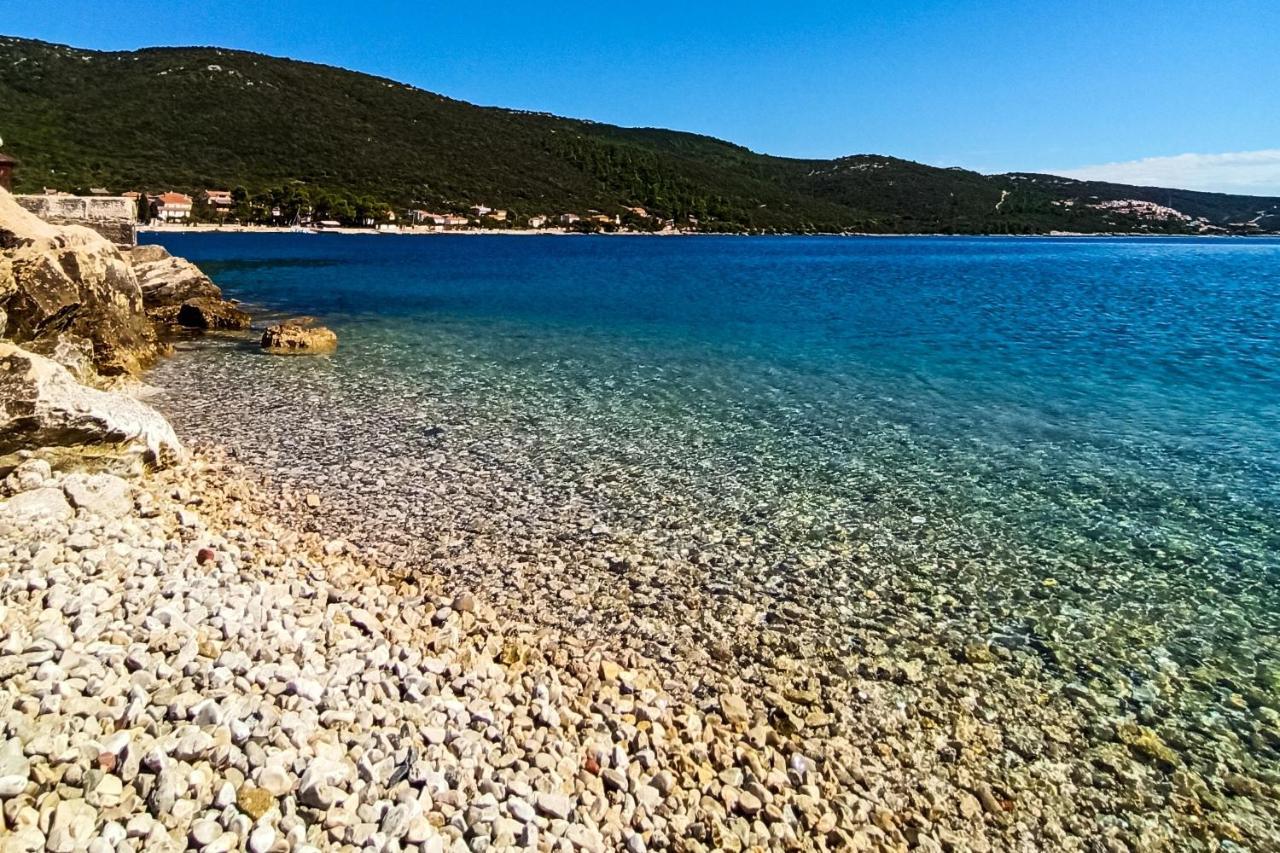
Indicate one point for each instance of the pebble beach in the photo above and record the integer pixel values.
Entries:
(180, 671)
(190, 664)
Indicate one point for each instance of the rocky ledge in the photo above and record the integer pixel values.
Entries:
(68, 285)
(45, 412)
(70, 294)
(175, 292)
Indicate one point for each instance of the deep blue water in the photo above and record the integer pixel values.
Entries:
(1080, 435)
(1166, 346)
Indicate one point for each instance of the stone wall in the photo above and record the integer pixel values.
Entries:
(114, 217)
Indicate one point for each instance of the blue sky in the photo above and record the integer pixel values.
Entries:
(1181, 90)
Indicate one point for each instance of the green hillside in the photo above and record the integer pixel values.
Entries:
(300, 134)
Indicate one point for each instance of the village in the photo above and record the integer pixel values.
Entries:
(236, 209)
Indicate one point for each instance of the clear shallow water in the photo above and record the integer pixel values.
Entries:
(1068, 445)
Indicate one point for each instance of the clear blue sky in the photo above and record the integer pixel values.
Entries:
(993, 85)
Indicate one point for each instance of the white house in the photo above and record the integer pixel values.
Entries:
(173, 207)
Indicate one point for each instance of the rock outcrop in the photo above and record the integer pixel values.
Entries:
(203, 313)
(176, 293)
(298, 336)
(72, 352)
(69, 280)
(166, 280)
(45, 411)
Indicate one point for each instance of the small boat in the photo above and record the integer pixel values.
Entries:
(296, 226)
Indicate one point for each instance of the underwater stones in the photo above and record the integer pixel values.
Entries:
(654, 598)
(298, 336)
(1147, 745)
(978, 652)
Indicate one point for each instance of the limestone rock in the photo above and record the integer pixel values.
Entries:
(166, 280)
(147, 254)
(70, 280)
(734, 709)
(298, 336)
(73, 352)
(31, 474)
(37, 504)
(15, 769)
(254, 801)
(42, 406)
(101, 494)
(72, 827)
(553, 805)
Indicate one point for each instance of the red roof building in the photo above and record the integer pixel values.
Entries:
(171, 207)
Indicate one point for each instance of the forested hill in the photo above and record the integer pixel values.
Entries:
(296, 133)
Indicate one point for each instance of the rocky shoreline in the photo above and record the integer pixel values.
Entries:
(200, 654)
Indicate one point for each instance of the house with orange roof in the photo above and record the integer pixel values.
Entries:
(173, 207)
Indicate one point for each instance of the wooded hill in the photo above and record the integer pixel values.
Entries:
(304, 134)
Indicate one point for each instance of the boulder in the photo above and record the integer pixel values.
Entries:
(101, 494)
(165, 280)
(147, 254)
(70, 280)
(31, 474)
(298, 336)
(204, 313)
(47, 502)
(43, 408)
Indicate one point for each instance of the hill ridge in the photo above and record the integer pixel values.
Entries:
(296, 133)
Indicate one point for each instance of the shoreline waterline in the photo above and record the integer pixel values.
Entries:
(563, 232)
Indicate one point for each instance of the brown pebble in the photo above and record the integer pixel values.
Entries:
(206, 555)
(107, 761)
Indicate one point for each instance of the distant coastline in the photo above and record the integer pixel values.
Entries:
(170, 228)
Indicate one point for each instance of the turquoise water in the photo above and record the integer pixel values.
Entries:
(1068, 446)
